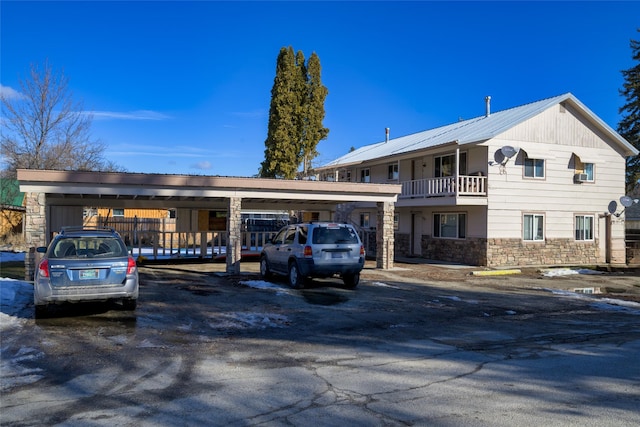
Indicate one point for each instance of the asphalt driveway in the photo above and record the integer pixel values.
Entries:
(411, 346)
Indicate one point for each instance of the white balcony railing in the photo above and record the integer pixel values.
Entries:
(445, 186)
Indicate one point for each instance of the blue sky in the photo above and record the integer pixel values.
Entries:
(184, 87)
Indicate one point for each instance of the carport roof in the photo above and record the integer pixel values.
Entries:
(123, 189)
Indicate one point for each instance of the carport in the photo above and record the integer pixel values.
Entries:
(54, 198)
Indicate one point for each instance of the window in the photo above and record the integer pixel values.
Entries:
(586, 169)
(533, 168)
(396, 221)
(118, 212)
(364, 219)
(584, 227)
(445, 164)
(449, 225)
(393, 171)
(290, 236)
(364, 175)
(533, 227)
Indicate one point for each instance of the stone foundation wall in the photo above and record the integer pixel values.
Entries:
(469, 251)
(511, 252)
(402, 242)
(505, 252)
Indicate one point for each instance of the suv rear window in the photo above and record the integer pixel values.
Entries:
(88, 247)
(332, 235)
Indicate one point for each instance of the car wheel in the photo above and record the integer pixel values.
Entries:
(351, 280)
(265, 272)
(295, 279)
(129, 304)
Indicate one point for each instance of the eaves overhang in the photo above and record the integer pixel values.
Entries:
(138, 187)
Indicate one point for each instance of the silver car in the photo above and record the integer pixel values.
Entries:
(83, 265)
(318, 249)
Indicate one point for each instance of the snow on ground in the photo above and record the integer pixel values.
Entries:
(608, 304)
(555, 272)
(16, 295)
(262, 284)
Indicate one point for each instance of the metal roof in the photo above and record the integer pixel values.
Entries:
(471, 131)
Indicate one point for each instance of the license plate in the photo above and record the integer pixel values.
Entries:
(88, 274)
(336, 254)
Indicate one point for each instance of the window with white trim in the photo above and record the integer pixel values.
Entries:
(533, 227)
(392, 173)
(450, 225)
(533, 168)
(584, 227)
(365, 175)
(118, 212)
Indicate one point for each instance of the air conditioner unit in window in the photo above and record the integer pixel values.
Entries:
(581, 177)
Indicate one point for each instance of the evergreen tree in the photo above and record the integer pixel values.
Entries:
(295, 115)
(314, 131)
(629, 126)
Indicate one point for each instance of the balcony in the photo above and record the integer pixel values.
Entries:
(445, 186)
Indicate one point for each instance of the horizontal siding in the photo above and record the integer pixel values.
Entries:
(562, 134)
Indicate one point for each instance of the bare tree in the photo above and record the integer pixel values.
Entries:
(44, 128)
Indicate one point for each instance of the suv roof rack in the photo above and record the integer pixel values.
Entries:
(85, 228)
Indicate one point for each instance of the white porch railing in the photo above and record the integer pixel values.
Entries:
(195, 244)
(445, 186)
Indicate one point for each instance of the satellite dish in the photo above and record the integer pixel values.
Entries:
(508, 151)
(626, 201)
(498, 156)
(612, 207)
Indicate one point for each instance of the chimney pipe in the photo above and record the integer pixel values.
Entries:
(386, 134)
(487, 100)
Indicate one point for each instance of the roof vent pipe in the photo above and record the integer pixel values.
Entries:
(386, 134)
(487, 101)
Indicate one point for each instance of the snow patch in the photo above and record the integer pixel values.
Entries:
(248, 320)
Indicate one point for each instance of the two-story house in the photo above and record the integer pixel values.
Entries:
(525, 186)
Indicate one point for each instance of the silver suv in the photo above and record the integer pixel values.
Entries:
(317, 249)
(85, 264)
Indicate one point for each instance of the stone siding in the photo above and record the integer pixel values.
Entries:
(511, 252)
(35, 232)
(469, 251)
(403, 247)
(385, 235)
(505, 252)
(234, 228)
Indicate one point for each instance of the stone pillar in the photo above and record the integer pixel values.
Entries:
(385, 236)
(35, 230)
(234, 235)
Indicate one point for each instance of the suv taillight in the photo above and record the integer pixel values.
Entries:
(43, 268)
(131, 267)
(361, 250)
(307, 252)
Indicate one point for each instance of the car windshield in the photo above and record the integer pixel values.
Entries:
(332, 235)
(88, 247)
